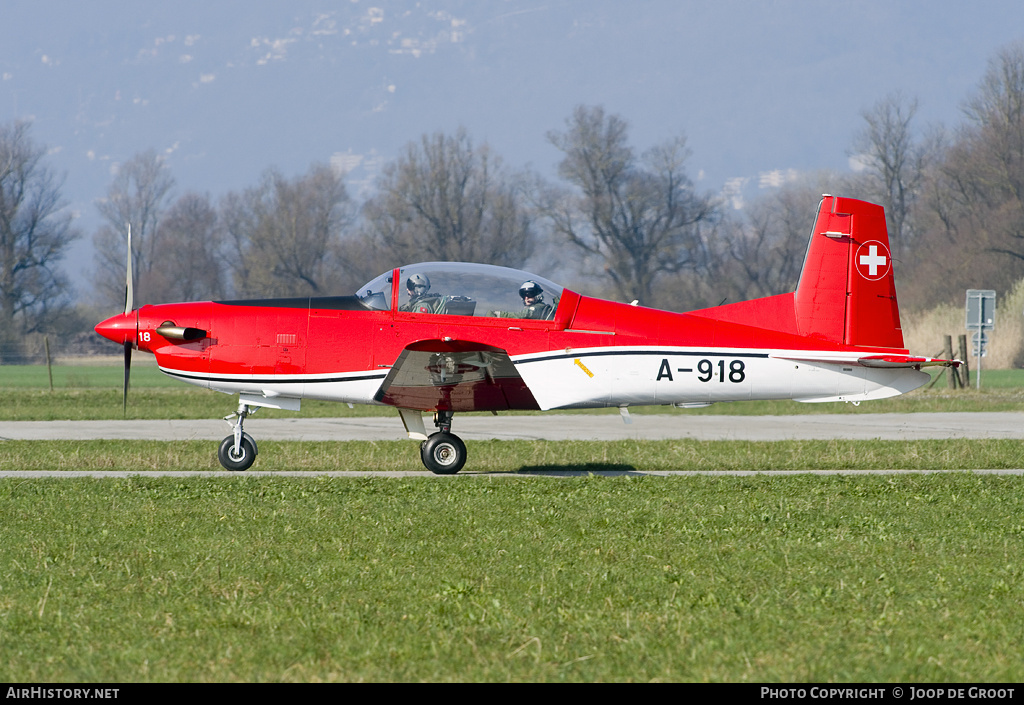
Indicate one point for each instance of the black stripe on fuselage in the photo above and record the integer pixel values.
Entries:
(271, 380)
(545, 358)
(326, 303)
(656, 353)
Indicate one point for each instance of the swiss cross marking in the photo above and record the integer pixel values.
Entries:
(873, 260)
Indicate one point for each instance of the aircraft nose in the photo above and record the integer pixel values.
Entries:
(121, 328)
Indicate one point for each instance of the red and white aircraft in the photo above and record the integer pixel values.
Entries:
(465, 340)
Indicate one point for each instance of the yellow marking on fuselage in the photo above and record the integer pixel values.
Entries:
(583, 367)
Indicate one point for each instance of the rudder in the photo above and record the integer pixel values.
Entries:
(847, 292)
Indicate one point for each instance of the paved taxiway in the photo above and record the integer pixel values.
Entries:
(555, 427)
(542, 427)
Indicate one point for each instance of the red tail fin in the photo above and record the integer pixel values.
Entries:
(847, 293)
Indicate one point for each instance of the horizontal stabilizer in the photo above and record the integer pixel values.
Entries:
(874, 361)
(896, 361)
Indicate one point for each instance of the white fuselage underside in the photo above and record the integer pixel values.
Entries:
(601, 377)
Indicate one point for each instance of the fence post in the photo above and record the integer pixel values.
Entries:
(965, 370)
(947, 352)
(49, 367)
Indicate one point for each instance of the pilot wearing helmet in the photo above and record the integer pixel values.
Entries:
(421, 300)
(534, 305)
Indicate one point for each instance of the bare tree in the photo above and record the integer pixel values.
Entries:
(768, 254)
(640, 217)
(137, 196)
(895, 161)
(974, 196)
(283, 233)
(35, 232)
(759, 251)
(444, 199)
(186, 250)
(997, 112)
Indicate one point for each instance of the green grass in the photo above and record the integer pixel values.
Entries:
(82, 376)
(906, 579)
(531, 456)
(997, 379)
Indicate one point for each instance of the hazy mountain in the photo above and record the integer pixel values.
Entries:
(226, 89)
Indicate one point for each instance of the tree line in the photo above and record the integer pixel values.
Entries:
(617, 222)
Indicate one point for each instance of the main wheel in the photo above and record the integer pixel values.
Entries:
(242, 460)
(443, 453)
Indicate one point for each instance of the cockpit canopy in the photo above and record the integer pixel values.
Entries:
(463, 289)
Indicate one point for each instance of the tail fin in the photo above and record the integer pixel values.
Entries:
(847, 293)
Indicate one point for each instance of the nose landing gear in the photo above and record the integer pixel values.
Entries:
(238, 451)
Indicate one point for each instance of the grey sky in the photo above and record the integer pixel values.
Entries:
(228, 89)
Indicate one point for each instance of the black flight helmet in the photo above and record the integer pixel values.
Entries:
(531, 289)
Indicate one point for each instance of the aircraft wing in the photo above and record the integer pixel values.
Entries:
(454, 375)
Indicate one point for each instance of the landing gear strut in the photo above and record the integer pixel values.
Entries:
(443, 453)
(238, 451)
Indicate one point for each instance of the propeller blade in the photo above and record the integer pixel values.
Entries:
(127, 371)
(129, 293)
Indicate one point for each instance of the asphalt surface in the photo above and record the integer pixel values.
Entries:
(556, 427)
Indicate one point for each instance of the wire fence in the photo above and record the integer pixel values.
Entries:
(83, 348)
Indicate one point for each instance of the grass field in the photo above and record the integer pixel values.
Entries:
(495, 456)
(518, 576)
(823, 579)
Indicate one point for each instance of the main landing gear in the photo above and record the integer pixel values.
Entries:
(443, 453)
(238, 451)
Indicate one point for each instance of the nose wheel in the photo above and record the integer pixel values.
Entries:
(236, 459)
(238, 451)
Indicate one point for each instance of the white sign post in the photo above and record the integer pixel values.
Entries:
(981, 318)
